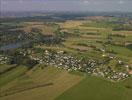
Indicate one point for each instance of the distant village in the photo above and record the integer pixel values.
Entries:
(64, 61)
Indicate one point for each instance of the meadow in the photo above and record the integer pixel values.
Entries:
(96, 88)
(47, 83)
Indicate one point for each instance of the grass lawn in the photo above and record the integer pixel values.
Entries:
(95, 88)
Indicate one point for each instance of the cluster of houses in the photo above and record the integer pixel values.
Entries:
(65, 61)
(4, 59)
(70, 63)
(118, 76)
(113, 75)
(59, 60)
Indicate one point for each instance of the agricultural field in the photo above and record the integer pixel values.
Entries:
(96, 88)
(47, 82)
(58, 58)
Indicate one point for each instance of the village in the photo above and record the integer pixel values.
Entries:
(62, 60)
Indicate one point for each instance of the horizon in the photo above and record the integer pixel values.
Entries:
(66, 6)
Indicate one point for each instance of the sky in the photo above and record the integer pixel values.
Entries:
(66, 5)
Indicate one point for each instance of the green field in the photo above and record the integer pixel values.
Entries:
(11, 75)
(94, 88)
(65, 86)
(42, 84)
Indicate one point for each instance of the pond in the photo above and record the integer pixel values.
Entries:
(13, 46)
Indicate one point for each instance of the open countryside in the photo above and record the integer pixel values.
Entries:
(63, 55)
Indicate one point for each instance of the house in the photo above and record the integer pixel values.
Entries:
(130, 72)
